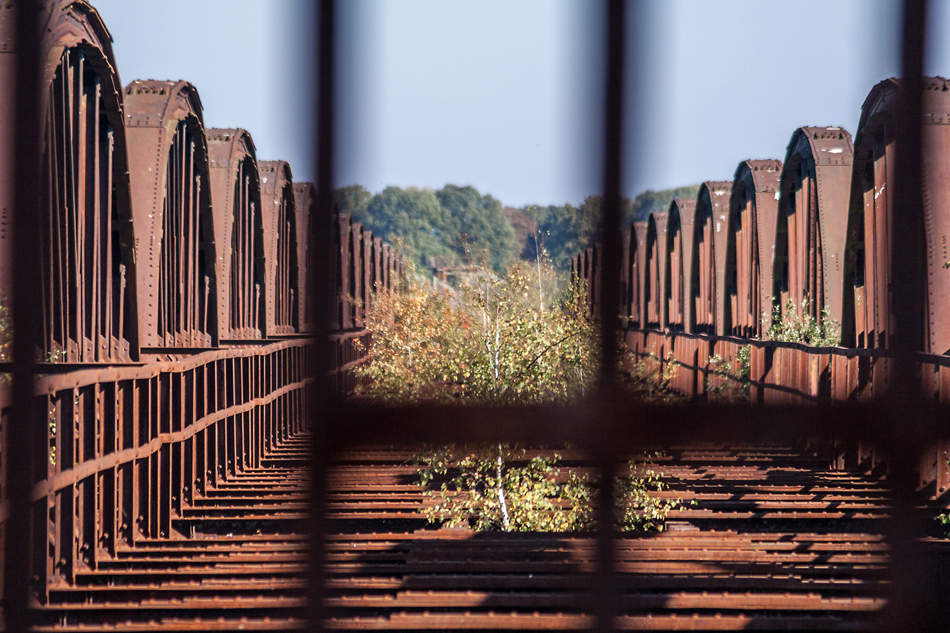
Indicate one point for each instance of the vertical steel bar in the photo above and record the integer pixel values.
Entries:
(26, 317)
(915, 602)
(607, 593)
(322, 396)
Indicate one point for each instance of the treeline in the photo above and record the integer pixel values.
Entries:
(453, 222)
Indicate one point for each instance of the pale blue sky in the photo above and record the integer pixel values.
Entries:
(504, 94)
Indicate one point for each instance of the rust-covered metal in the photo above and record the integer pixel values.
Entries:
(357, 280)
(88, 265)
(812, 221)
(305, 195)
(679, 263)
(654, 274)
(173, 217)
(280, 248)
(366, 297)
(340, 316)
(236, 196)
(868, 319)
(626, 287)
(711, 219)
(638, 265)
(753, 208)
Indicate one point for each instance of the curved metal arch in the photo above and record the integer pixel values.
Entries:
(356, 277)
(654, 273)
(707, 270)
(174, 222)
(812, 221)
(278, 209)
(753, 207)
(638, 272)
(679, 259)
(305, 196)
(626, 287)
(87, 241)
(239, 230)
(867, 318)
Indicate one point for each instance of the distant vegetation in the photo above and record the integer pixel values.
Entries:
(454, 221)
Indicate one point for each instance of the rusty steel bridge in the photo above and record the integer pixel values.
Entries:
(176, 449)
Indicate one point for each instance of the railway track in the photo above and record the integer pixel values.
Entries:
(774, 542)
(236, 561)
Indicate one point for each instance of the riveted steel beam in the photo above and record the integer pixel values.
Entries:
(305, 197)
(812, 221)
(174, 224)
(711, 220)
(655, 272)
(280, 248)
(236, 197)
(678, 291)
(753, 208)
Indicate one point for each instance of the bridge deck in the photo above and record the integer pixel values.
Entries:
(774, 542)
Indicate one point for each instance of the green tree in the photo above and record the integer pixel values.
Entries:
(566, 230)
(649, 201)
(352, 199)
(413, 216)
(481, 221)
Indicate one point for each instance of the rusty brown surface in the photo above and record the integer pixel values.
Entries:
(753, 209)
(679, 259)
(172, 215)
(868, 319)
(655, 270)
(304, 200)
(708, 266)
(236, 197)
(278, 213)
(638, 273)
(812, 221)
(88, 186)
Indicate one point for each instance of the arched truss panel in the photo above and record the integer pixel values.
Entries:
(583, 270)
(593, 277)
(753, 207)
(85, 225)
(368, 275)
(340, 318)
(867, 320)
(357, 287)
(280, 248)
(305, 199)
(812, 220)
(707, 269)
(626, 287)
(387, 266)
(638, 272)
(679, 259)
(376, 277)
(239, 230)
(174, 230)
(655, 270)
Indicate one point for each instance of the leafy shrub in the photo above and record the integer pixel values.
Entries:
(653, 385)
(499, 488)
(493, 488)
(637, 508)
(738, 383)
(796, 325)
(497, 340)
(421, 343)
(510, 339)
